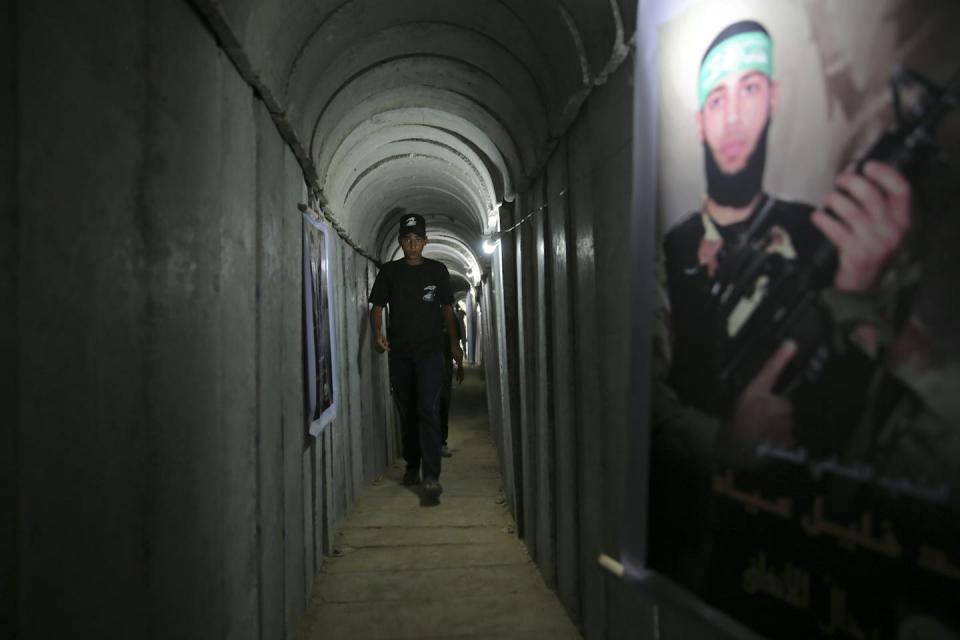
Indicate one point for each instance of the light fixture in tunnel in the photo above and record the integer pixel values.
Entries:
(491, 242)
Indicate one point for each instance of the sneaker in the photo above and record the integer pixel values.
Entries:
(445, 451)
(431, 487)
(411, 477)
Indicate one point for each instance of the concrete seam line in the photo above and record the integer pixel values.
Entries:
(211, 12)
(578, 42)
(307, 41)
(620, 49)
(618, 55)
(477, 186)
(530, 214)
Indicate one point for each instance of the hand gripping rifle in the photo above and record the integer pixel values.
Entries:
(795, 304)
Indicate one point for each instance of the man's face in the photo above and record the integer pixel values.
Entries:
(412, 245)
(734, 116)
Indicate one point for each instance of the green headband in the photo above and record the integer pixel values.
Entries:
(750, 51)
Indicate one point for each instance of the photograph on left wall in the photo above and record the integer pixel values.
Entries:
(319, 325)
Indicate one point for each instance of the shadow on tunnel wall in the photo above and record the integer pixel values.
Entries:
(9, 329)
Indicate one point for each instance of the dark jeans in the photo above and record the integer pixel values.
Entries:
(445, 394)
(417, 382)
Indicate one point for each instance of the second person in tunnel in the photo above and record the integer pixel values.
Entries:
(447, 392)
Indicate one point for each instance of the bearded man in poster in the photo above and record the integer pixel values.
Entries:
(865, 218)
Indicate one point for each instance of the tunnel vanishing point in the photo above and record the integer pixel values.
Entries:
(159, 477)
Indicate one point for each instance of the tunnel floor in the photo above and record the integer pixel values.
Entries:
(403, 568)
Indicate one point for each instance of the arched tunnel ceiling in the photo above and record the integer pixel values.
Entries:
(440, 107)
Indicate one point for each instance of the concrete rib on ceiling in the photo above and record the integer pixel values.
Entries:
(440, 107)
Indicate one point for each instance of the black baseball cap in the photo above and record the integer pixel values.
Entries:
(412, 223)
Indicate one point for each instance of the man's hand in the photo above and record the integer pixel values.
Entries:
(457, 354)
(760, 415)
(376, 324)
(872, 217)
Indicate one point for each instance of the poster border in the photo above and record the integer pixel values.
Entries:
(320, 425)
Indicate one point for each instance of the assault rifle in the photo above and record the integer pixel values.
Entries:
(795, 295)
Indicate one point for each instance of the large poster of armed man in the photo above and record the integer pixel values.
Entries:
(805, 454)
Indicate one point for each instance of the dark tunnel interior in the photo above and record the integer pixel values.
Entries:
(154, 233)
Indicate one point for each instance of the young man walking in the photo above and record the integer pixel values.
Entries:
(420, 299)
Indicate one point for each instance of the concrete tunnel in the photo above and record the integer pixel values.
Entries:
(157, 157)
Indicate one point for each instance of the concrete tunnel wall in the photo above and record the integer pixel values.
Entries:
(562, 410)
(166, 485)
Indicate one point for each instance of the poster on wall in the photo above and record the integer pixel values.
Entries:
(805, 430)
(320, 328)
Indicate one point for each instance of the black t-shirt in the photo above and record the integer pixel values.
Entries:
(415, 294)
(694, 319)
